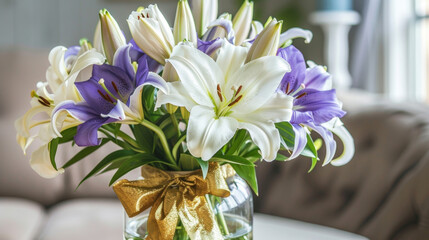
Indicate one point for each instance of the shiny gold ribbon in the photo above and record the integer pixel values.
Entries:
(174, 195)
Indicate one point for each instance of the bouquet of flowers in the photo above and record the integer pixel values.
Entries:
(209, 92)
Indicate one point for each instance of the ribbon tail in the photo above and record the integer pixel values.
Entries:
(163, 217)
(198, 219)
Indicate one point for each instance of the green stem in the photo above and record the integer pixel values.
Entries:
(158, 131)
(177, 145)
(124, 136)
(219, 215)
(175, 124)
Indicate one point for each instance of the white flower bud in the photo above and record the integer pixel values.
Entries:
(111, 35)
(152, 33)
(184, 25)
(267, 42)
(205, 12)
(242, 21)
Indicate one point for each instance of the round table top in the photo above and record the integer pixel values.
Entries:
(271, 227)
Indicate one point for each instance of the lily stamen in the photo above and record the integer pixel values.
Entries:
(105, 97)
(219, 93)
(45, 100)
(301, 95)
(239, 90)
(108, 93)
(235, 101)
(43, 103)
(301, 87)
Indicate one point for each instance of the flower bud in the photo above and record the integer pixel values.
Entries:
(242, 21)
(267, 42)
(98, 44)
(184, 25)
(152, 33)
(185, 113)
(111, 35)
(205, 12)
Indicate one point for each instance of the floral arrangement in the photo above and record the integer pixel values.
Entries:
(208, 92)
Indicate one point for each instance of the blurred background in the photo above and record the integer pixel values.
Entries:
(382, 193)
(388, 52)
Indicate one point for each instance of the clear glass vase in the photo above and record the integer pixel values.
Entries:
(234, 215)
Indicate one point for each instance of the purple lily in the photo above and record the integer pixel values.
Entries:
(112, 94)
(315, 103)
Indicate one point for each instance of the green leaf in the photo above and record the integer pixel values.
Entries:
(310, 149)
(133, 162)
(237, 141)
(248, 173)
(53, 146)
(204, 166)
(313, 164)
(281, 157)
(112, 157)
(68, 135)
(84, 153)
(232, 159)
(288, 135)
(144, 137)
(188, 162)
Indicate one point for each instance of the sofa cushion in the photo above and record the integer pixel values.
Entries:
(84, 219)
(20, 219)
(382, 193)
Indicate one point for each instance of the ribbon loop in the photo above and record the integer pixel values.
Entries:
(174, 195)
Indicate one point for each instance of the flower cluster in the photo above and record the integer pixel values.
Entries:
(226, 89)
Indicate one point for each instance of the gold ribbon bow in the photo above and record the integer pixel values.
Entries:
(174, 195)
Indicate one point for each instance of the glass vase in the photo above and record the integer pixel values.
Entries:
(233, 214)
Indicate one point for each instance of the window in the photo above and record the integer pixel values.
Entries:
(421, 49)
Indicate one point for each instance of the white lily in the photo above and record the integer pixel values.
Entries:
(204, 12)
(227, 95)
(266, 44)
(242, 22)
(112, 36)
(61, 75)
(152, 33)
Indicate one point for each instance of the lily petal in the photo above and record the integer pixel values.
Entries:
(87, 132)
(81, 112)
(265, 136)
(231, 58)
(336, 126)
(155, 80)
(300, 140)
(40, 162)
(277, 109)
(323, 105)
(122, 59)
(56, 59)
(328, 139)
(177, 95)
(260, 78)
(316, 77)
(296, 33)
(293, 79)
(198, 73)
(206, 134)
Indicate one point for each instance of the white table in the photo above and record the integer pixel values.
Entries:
(276, 228)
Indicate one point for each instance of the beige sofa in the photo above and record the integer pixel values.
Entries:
(382, 194)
